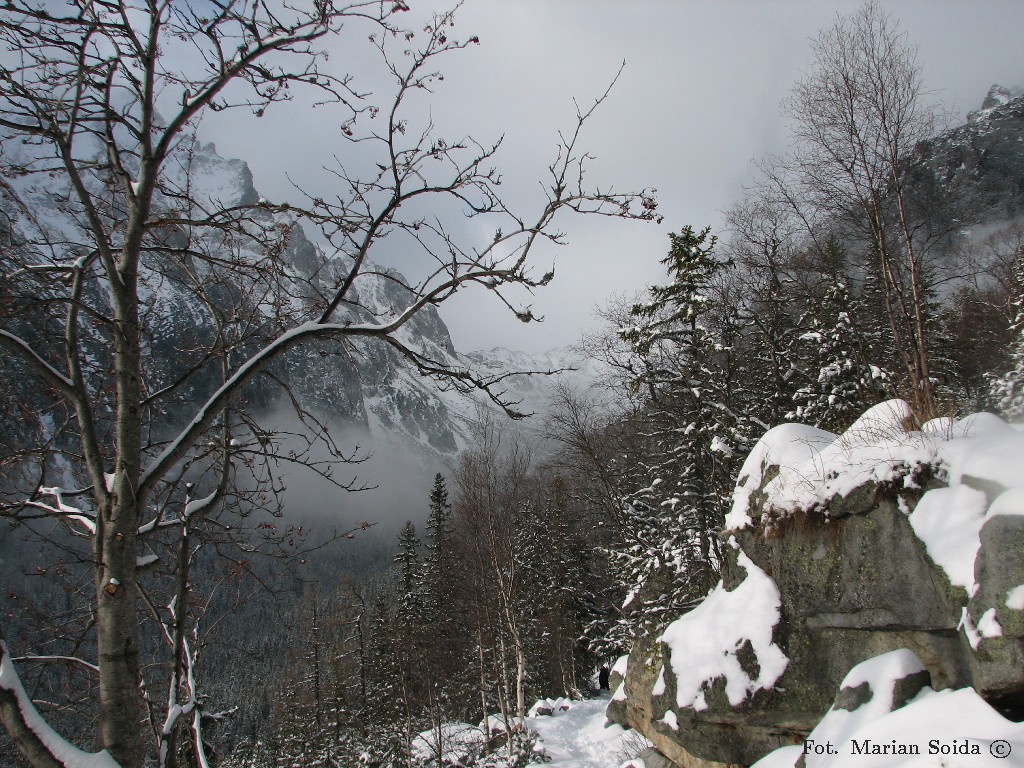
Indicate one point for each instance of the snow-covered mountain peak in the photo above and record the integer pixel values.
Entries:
(369, 387)
(998, 96)
(225, 180)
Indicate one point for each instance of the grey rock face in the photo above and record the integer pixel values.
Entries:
(997, 666)
(873, 590)
(988, 146)
(851, 589)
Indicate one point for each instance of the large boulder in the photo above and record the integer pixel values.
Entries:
(852, 588)
(844, 548)
(996, 610)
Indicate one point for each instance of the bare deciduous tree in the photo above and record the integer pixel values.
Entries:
(104, 205)
(858, 118)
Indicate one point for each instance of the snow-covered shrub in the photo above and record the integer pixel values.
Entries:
(518, 753)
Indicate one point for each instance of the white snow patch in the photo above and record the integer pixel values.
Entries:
(452, 742)
(700, 703)
(718, 445)
(971, 631)
(659, 684)
(787, 445)
(986, 447)
(580, 739)
(815, 466)
(1009, 502)
(704, 644)
(839, 725)
(948, 521)
(629, 597)
(874, 449)
(496, 723)
(66, 753)
(671, 720)
(783, 757)
(929, 723)
(621, 665)
(988, 624)
(1015, 598)
(556, 707)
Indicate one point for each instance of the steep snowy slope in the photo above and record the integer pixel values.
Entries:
(191, 293)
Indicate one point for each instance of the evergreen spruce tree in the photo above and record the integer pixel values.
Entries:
(689, 368)
(449, 684)
(671, 316)
(1007, 390)
(843, 382)
(410, 575)
(384, 684)
(438, 546)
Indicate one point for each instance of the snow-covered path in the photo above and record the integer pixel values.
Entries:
(577, 738)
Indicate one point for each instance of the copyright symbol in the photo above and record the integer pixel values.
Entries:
(999, 748)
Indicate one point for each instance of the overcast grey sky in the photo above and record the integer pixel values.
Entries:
(697, 103)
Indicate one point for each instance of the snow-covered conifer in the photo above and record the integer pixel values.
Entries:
(438, 545)
(688, 346)
(843, 381)
(410, 575)
(1007, 390)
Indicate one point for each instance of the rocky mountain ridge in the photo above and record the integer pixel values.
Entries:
(364, 386)
(990, 147)
(372, 388)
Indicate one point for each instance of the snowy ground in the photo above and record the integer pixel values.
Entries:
(577, 738)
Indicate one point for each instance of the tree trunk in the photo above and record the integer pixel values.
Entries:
(121, 703)
(483, 683)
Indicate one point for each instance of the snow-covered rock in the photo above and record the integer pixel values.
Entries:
(889, 540)
(549, 707)
(706, 644)
(886, 715)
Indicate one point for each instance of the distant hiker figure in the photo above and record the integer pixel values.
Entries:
(602, 677)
